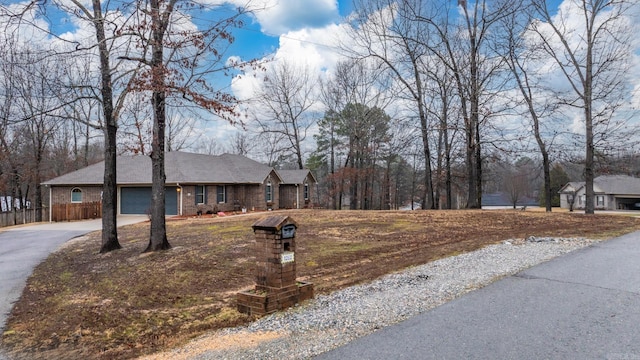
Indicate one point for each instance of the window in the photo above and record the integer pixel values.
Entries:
(268, 192)
(600, 200)
(76, 195)
(222, 194)
(201, 197)
(582, 199)
(306, 191)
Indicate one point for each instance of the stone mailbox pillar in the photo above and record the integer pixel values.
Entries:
(275, 273)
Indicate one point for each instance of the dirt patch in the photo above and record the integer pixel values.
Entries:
(82, 305)
(202, 345)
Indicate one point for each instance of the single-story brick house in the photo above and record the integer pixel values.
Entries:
(297, 189)
(612, 192)
(194, 183)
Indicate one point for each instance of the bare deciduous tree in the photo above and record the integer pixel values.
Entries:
(519, 55)
(285, 103)
(241, 144)
(135, 126)
(36, 89)
(387, 32)
(463, 49)
(589, 41)
(181, 132)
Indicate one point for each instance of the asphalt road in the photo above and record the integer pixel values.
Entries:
(24, 247)
(585, 305)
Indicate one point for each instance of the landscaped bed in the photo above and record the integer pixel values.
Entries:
(79, 304)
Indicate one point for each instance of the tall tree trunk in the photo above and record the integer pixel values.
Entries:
(413, 182)
(478, 156)
(335, 194)
(588, 165)
(546, 165)
(298, 150)
(158, 231)
(474, 160)
(439, 168)
(473, 155)
(371, 181)
(588, 119)
(427, 201)
(109, 195)
(15, 183)
(448, 176)
(87, 137)
(387, 186)
(447, 154)
(353, 204)
(38, 195)
(37, 180)
(547, 181)
(472, 197)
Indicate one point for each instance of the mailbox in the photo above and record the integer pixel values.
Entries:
(288, 231)
(275, 273)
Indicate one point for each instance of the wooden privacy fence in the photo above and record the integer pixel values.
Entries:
(79, 211)
(20, 216)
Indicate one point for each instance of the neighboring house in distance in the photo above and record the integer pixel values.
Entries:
(612, 192)
(194, 183)
(297, 189)
(503, 199)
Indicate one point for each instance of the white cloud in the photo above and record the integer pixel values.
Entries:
(316, 49)
(277, 17)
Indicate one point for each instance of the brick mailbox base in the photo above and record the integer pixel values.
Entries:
(262, 301)
(275, 272)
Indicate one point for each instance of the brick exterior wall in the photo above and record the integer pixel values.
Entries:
(289, 198)
(251, 197)
(62, 194)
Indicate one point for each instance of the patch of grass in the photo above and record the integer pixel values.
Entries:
(66, 276)
(79, 304)
(236, 229)
(405, 225)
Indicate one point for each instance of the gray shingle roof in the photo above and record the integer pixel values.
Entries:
(180, 167)
(571, 187)
(294, 176)
(617, 185)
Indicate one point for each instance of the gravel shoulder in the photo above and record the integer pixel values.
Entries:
(333, 320)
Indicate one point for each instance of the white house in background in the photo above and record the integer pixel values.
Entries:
(612, 192)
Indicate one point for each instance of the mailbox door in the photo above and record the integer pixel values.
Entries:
(288, 231)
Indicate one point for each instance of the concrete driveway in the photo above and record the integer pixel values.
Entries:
(24, 247)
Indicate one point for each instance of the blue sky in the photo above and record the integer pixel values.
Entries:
(256, 41)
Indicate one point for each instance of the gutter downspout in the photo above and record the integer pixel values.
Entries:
(297, 197)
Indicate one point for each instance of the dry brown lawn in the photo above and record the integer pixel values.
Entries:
(79, 304)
